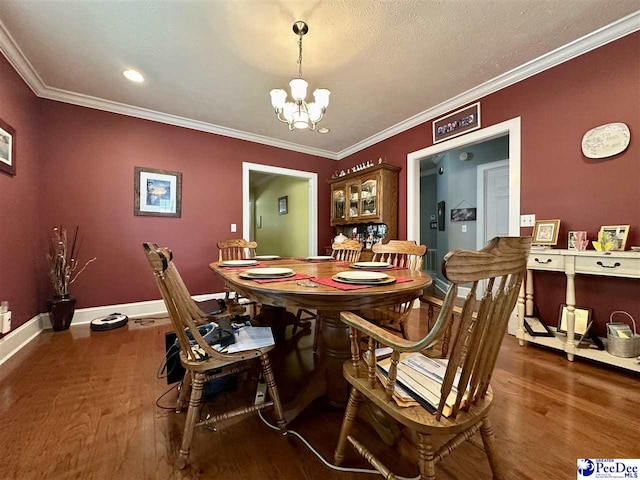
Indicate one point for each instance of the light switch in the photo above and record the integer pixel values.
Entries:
(527, 220)
(464, 229)
(234, 227)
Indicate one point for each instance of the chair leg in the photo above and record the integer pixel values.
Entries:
(193, 415)
(267, 372)
(184, 391)
(486, 431)
(355, 400)
(316, 333)
(426, 457)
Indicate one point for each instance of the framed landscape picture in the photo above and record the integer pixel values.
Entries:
(7, 148)
(157, 192)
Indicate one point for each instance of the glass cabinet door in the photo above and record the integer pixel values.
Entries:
(369, 198)
(339, 202)
(354, 195)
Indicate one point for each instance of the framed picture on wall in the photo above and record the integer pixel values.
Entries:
(283, 205)
(441, 208)
(7, 148)
(157, 192)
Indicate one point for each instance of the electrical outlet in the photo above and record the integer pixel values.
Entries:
(6, 322)
(527, 220)
(234, 227)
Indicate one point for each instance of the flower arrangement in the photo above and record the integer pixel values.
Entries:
(63, 261)
(605, 242)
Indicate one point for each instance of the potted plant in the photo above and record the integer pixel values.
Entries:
(63, 263)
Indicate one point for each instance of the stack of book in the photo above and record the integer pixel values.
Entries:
(419, 381)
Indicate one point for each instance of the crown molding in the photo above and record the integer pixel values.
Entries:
(591, 41)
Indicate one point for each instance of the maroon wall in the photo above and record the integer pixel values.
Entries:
(88, 161)
(557, 107)
(22, 246)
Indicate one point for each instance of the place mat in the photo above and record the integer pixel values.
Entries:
(329, 282)
(297, 276)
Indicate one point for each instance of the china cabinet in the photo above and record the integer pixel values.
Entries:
(364, 205)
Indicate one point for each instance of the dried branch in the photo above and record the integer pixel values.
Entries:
(63, 261)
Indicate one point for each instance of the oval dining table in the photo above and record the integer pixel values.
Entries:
(334, 345)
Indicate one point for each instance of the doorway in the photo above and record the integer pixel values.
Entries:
(311, 179)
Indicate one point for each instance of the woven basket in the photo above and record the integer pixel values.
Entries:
(623, 347)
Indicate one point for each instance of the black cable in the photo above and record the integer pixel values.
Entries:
(161, 396)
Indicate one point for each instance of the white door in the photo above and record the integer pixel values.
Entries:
(493, 201)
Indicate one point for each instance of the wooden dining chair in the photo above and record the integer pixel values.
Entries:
(236, 249)
(399, 253)
(202, 362)
(346, 251)
(464, 398)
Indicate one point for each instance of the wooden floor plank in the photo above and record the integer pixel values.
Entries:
(81, 405)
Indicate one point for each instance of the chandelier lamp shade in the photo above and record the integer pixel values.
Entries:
(299, 113)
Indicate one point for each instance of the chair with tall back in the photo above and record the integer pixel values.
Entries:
(399, 253)
(346, 251)
(463, 400)
(202, 362)
(236, 249)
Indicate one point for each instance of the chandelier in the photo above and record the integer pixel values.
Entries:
(299, 113)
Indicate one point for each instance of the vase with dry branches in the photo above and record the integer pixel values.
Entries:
(64, 262)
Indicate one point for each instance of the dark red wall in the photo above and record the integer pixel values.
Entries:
(557, 107)
(22, 247)
(88, 162)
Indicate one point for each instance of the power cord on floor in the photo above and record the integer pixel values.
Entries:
(175, 385)
(327, 464)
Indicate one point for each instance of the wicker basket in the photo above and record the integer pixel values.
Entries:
(623, 347)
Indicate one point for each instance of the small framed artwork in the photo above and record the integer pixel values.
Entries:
(618, 234)
(536, 328)
(283, 205)
(545, 232)
(433, 225)
(582, 321)
(7, 148)
(577, 240)
(157, 192)
(457, 123)
(441, 208)
(463, 214)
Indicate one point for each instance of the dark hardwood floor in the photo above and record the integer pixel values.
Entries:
(82, 405)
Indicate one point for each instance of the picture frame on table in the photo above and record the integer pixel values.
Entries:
(536, 328)
(7, 148)
(619, 234)
(283, 205)
(577, 237)
(582, 321)
(157, 193)
(545, 232)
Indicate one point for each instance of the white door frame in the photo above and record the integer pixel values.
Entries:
(313, 198)
(480, 200)
(508, 127)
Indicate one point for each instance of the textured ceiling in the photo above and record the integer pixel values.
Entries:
(215, 61)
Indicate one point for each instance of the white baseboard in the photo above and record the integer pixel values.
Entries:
(11, 343)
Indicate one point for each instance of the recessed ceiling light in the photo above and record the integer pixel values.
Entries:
(323, 130)
(133, 75)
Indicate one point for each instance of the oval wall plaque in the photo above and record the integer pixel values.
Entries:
(606, 140)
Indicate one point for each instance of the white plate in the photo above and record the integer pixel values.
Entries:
(249, 276)
(360, 276)
(371, 265)
(320, 257)
(386, 281)
(268, 272)
(267, 257)
(635, 249)
(239, 263)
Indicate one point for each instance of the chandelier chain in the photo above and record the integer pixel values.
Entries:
(300, 57)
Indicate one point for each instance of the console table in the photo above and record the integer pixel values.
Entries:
(572, 263)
